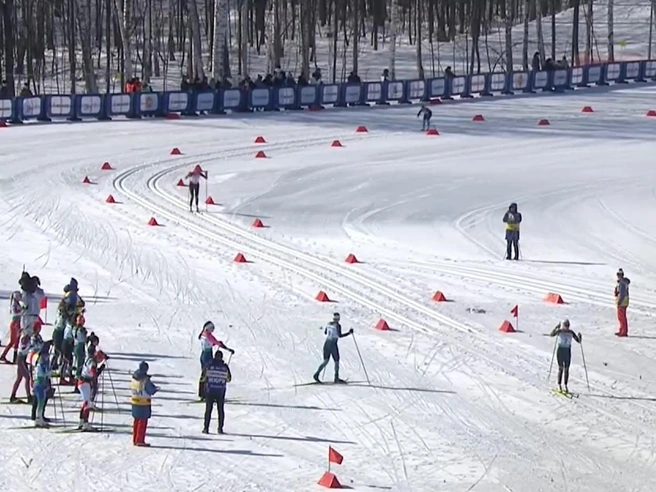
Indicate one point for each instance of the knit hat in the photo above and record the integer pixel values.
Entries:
(565, 322)
(143, 366)
(209, 326)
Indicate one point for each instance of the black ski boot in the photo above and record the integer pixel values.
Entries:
(340, 381)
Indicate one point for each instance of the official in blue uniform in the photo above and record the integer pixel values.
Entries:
(217, 376)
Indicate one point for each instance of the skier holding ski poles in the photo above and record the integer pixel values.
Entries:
(427, 115)
(207, 341)
(194, 185)
(333, 332)
(564, 351)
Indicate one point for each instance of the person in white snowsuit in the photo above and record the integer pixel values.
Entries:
(31, 296)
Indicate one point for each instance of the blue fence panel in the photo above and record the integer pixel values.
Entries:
(119, 105)
(309, 96)
(136, 105)
(89, 106)
(7, 109)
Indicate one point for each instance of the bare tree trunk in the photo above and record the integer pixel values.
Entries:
(508, 13)
(220, 39)
(9, 43)
(611, 28)
(148, 42)
(243, 30)
(527, 16)
(306, 20)
(575, 33)
(195, 38)
(356, 33)
(419, 55)
(83, 26)
(589, 56)
(538, 26)
(394, 25)
(125, 38)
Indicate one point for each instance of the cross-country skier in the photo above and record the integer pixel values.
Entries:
(142, 390)
(42, 385)
(207, 341)
(512, 219)
(217, 376)
(68, 344)
(31, 295)
(194, 185)
(15, 310)
(22, 370)
(333, 332)
(622, 302)
(86, 386)
(73, 300)
(428, 114)
(79, 348)
(564, 351)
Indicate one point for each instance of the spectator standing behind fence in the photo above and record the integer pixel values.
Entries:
(536, 63)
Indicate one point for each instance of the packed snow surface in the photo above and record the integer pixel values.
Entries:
(452, 403)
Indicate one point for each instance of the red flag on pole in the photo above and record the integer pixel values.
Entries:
(515, 311)
(334, 456)
(44, 303)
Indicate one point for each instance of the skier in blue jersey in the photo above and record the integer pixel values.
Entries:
(333, 332)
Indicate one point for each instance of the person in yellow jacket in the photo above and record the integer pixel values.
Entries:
(142, 390)
(622, 302)
(512, 218)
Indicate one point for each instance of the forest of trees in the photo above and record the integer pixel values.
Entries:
(58, 45)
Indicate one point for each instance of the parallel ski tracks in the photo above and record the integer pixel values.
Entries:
(359, 287)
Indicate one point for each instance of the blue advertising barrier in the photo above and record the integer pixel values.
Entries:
(160, 104)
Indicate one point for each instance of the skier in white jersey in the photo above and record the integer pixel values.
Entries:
(564, 351)
(194, 185)
(333, 332)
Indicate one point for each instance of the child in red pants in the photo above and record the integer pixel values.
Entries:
(14, 328)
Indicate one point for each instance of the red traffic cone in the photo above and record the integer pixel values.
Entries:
(554, 298)
(260, 155)
(172, 116)
(439, 297)
(153, 222)
(176, 151)
(478, 117)
(651, 113)
(240, 258)
(260, 140)
(322, 297)
(382, 325)
(258, 223)
(181, 183)
(351, 259)
(587, 109)
(210, 201)
(336, 143)
(3, 124)
(544, 123)
(361, 129)
(110, 199)
(106, 166)
(329, 480)
(507, 327)
(432, 132)
(86, 180)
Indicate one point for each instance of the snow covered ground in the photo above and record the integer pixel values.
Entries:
(452, 403)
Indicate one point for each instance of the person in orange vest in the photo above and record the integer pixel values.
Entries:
(129, 87)
(622, 302)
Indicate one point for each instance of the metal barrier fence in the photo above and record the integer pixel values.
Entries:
(163, 104)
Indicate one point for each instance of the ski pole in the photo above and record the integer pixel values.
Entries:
(552, 359)
(206, 205)
(585, 368)
(61, 404)
(102, 402)
(111, 382)
(360, 355)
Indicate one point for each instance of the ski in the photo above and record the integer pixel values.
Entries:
(19, 401)
(327, 383)
(75, 430)
(32, 427)
(564, 394)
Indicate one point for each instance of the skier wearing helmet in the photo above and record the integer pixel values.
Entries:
(512, 218)
(207, 342)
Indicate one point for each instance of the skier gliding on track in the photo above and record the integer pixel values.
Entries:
(194, 186)
(333, 332)
(564, 351)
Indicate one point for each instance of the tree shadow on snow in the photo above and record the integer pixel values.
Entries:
(144, 357)
(401, 388)
(243, 452)
(279, 405)
(291, 438)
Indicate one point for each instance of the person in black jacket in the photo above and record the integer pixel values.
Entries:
(217, 377)
(512, 218)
